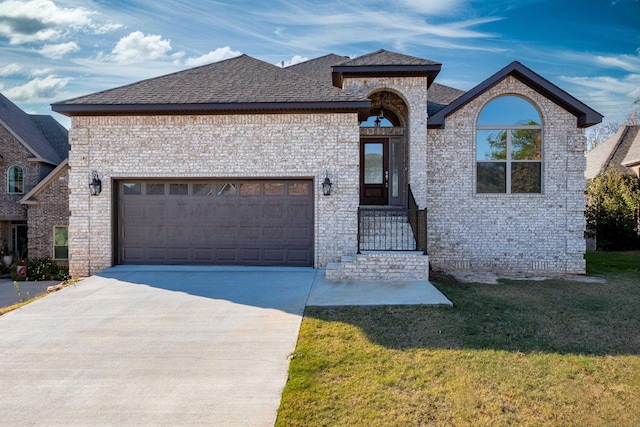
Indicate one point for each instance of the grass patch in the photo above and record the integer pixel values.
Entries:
(552, 353)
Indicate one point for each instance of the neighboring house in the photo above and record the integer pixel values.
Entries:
(225, 164)
(33, 153)
(621, 151)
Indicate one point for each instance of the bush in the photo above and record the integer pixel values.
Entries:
(40, 269)
(613, 205)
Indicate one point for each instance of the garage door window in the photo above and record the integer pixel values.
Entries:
(226, 189)
(298, 188)
(179, 189)
(132, 188)
(274, 189)
(250, 189)
(155, 189)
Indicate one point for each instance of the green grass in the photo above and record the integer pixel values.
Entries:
(551, 353)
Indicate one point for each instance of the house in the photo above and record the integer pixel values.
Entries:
(33, 153)
(226, 164)
(621, 151)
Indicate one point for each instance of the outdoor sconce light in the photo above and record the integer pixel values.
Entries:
(95, 186)
(326, 185)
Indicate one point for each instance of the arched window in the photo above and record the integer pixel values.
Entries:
(15, 180)
(509, 147)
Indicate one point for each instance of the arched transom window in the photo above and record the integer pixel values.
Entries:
(15, 180)
(509, 147)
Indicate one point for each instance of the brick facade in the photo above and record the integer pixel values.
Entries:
(14, 154)
(466, 231)
(212, 146)
(526, 232)
(51, 210)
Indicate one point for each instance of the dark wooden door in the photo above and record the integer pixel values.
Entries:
(374, 172)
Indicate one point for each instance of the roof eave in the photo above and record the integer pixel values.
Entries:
(226, 108)
(339, 72)
(585, 116)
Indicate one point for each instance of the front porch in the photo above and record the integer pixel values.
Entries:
(392, 245)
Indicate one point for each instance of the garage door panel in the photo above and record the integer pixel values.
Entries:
(266, 222)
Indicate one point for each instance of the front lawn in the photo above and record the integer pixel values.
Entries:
(551, 353)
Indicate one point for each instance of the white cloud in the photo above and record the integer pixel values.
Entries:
(219, 54)
(610, 96)
(427, 7)
(10, 69)
(39, 20)
(37, 89)
(629, 63)
(41, 71)
(296, 59)
(137, 47)
(57, 51)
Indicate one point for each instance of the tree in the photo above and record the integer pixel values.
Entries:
(613, 209)
(633, 118)
(596, 135)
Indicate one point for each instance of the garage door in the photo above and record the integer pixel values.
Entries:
(216, 222)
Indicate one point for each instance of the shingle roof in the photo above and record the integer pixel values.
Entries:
(383, 63)
(385, 57)
(633, 155)
(319, 68)
(240, 83)
(439, 96)
(622, 148)
(43, 136)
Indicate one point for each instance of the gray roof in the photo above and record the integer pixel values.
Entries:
(383, 63)
(241, 83)
(633, 154)
(43, 136)
(622, 148)
(385, 57)
(439, 96)
(318, 68)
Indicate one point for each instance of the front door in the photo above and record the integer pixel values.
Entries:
(374, 172)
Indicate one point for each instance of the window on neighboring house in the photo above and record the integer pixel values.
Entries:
(15, 180)
(61, 242)
(509, 147)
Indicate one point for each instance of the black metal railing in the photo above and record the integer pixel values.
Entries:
(391, 229)
(418, 221)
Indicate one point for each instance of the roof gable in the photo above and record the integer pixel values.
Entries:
(318, 68)
(383, 63)
(43, 136)
(619, 151)
(30, 197)
(237, 84)
(585, 115)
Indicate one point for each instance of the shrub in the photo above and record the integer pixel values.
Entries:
(40, 269)
(613, 204)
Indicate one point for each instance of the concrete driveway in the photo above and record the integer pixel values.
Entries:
(161, 346)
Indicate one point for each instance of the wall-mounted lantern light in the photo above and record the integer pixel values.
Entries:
(326, 185)
(95, 186)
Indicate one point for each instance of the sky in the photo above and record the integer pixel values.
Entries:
(52, 50)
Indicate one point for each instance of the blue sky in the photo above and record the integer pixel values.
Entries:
(51, 50)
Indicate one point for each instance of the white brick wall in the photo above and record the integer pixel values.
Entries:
(506, 232)
(241, 146)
